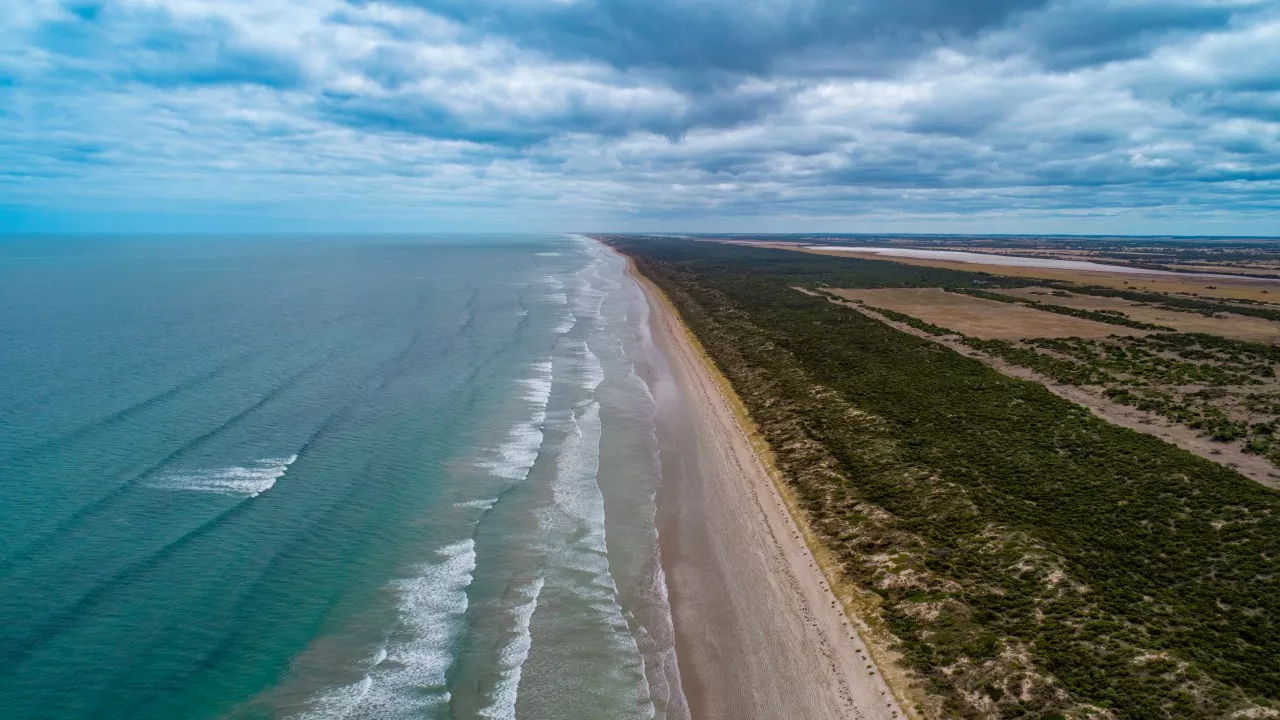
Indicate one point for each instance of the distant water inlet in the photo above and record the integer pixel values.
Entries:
(1004, 260)
(332, 479)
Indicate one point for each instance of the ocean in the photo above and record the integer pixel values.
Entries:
(381, 477)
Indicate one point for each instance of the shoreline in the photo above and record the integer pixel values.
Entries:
(759, 632)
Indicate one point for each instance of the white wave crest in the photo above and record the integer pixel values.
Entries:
(539, 385)
(407, 678)
(564, 325)
(579, 527)
(575, 489)
(339, 702)
(432, 606)
(251, 480)
(590, 367)
(511, 659)
(514, 457)
(477, 504)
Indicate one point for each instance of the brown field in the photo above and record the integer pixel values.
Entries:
(1254, 269)
(1237, 327)
(982, 318)
(1232, 288)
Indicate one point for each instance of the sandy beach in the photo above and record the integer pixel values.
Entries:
(759, 633)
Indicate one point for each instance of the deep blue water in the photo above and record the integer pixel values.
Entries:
(363, 477)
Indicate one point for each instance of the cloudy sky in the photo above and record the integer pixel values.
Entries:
(1137, 116)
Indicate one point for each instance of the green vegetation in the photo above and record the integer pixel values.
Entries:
(1032, 560)
(1208, 308)
(1192, 379)
(1189, 378)
(1062, 369)
(1144, 360)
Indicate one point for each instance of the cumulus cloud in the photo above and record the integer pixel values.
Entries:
(1118, 115)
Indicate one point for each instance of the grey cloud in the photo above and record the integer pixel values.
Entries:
(728, 36)
(1071, 34)
(753, 109)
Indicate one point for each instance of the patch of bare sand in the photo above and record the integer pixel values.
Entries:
(982, 318)
(759, 631)
(1239, 327)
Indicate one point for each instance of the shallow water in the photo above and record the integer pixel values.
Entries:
(378, 477)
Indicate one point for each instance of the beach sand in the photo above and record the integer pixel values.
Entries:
(759, 634)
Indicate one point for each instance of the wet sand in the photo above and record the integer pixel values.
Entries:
(758, 632)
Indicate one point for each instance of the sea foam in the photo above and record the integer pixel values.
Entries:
(511, 658)
(407, 677)
(514, 457)
(589, 366)
(252, 480)
(432, 606)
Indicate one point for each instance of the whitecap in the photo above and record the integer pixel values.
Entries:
(477, 504)
(408, 677)
(577, 535)
(339, 702)
(514, 457)
(511, 658)
(252, 480)
(433, 606)
(539, 386)
(589, 364)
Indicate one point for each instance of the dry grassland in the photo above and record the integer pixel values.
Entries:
(986, 319)
(1236, 327)
(1228, 288)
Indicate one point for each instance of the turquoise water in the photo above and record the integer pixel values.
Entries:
(323, 478)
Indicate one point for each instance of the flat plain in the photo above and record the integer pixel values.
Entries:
(1250, 288)
(1230, 325)
(977, 316)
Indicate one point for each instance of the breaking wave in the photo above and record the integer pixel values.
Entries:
(252, 480)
